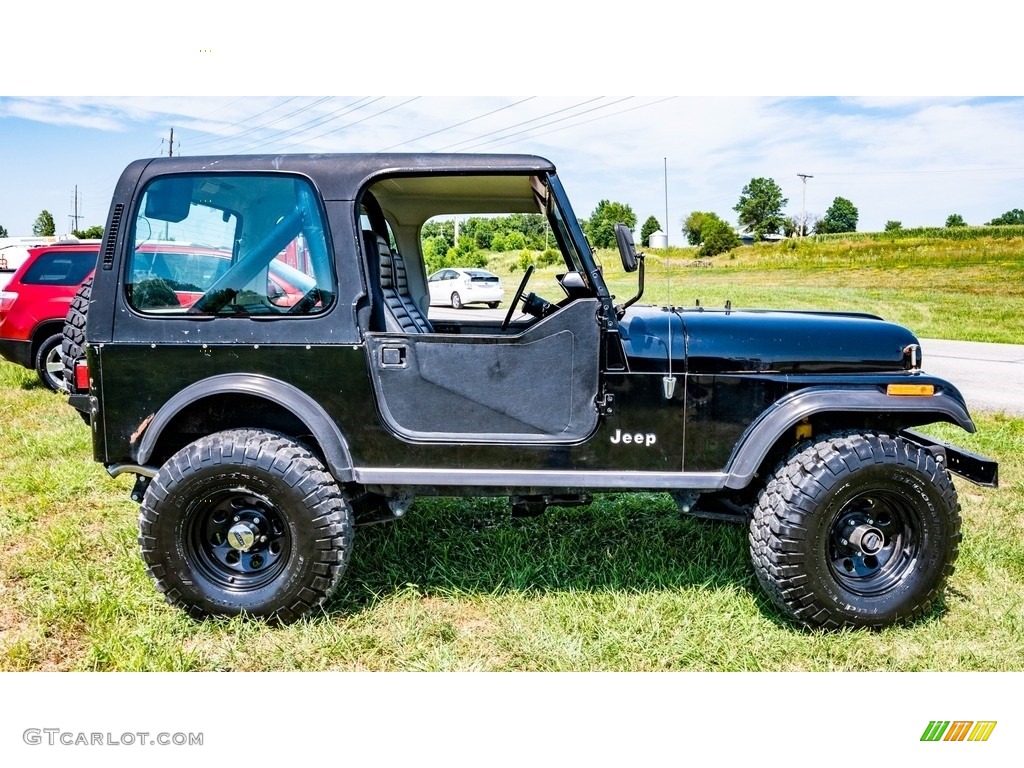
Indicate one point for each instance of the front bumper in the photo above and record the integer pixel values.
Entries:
(977, 469)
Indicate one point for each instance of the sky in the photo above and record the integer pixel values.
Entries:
(716, 110)
(911, 159)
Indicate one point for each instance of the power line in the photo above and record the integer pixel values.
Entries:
(456, 125)
(354, 106)
(516, 125)
(543, 125)
(593, 119)
(300, 110)
(243, 121)
(355, 122)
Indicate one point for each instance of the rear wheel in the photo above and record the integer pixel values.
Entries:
(245, 522)
(72, 347)
(856, 531)
(493, 304)
(456, 301)
(48, 363)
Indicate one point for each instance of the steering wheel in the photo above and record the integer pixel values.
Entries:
(517, 297)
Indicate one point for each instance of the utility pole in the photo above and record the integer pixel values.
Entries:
(803, 205)
(75, 217)
(170, 144)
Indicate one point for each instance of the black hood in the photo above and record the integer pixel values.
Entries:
(754, 341)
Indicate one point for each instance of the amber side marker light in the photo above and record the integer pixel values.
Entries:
(910, 390)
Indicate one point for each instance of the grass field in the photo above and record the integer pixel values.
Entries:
(969, 290)
(625, 584)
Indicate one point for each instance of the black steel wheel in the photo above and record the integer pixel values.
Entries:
(857, 530)
(48, 363)
(245, 522)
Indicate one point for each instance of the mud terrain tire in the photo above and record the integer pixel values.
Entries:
(857, 530)
(245, 522)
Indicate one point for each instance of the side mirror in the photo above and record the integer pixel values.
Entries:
(630, 260)
(627, 249)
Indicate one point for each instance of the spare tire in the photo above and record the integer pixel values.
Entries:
(72, 346)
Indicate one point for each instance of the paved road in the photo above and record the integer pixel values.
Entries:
(990, 376)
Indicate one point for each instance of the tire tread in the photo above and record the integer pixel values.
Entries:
(779, 525)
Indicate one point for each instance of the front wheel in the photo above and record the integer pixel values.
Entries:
(858, 530)
(245, 522)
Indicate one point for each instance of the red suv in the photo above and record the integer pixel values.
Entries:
(36, 300)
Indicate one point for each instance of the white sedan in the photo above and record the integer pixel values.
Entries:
(457, 287)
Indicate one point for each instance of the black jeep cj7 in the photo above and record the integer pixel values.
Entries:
(258, 353)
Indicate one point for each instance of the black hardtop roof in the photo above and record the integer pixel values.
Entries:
(340, 176)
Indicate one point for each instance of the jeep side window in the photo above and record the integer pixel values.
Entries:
(229, 244)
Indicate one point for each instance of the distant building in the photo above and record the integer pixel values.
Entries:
(657, 239)
(747, 238)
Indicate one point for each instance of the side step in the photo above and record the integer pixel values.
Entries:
(531, 506)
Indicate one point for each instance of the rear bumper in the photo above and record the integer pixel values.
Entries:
(17, 351)
(977, 469)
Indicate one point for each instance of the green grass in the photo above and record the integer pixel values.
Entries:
(625, 584)
(970, 289)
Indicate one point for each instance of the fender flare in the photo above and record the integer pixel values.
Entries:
(292, 399)
(755, 444)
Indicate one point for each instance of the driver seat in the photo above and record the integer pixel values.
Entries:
(402, 313)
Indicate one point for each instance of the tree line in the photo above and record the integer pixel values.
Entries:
(45, 226)
(759, 214)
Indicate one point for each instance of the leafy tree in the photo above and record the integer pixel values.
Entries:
(481, 230)
(3, 231)
(444, 228)
(435, 249)
(760, 207)
(893, 226)
(693, 226)
(1016, 216)
(499, 242)
(550, 257)
(649, 228)
(44, 225)
(92, 233)
(841, 216)
(524, 262)
(955, 220)
(515, 241)
(600, 227)
(717, 236)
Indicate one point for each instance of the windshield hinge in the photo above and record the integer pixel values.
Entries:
(603, 403)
